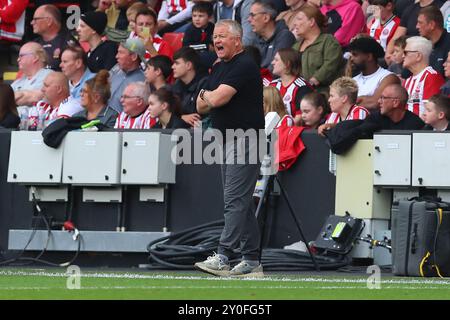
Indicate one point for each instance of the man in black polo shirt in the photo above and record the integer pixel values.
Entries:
(393, 114)
(430, 24)
(234, 99)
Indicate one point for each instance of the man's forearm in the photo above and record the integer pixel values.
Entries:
(28, 97)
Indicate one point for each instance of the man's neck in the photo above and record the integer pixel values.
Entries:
(55, 103)
(228, 3)
(75, 79)
(387, 18)
(441, 125)
(32, 72)
(397, 115)
(424, 3)
(94, 41)
(159, 83)
(436, 35)
(416, 69)
(268, 32)
(236, 53)
(49, 35)
(370, 69)
(188, 77)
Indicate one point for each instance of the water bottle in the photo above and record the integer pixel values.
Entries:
(41, 121)
(33, 119)
(23, 119)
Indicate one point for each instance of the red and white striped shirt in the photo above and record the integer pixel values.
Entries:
(176, 5)
(149, 121)
(124, 121)
(421, 87)
(292, 94)
(355, 113)
(383, 33)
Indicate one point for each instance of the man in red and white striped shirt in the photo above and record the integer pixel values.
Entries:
(383, 27)
(343, 95)
(135, 102)
(425, 81)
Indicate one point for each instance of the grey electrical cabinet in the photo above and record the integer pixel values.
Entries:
(31, 161)
(92, 158)
(431, 159)
(392, 160)
(146, 158)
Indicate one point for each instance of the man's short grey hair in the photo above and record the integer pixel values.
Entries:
(422, 45)
(267, 7)
(142, 90)
(233, 26)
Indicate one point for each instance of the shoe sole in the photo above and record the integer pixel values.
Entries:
(217, 273)
(248, 275)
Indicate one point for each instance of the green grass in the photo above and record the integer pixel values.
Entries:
(51, 284)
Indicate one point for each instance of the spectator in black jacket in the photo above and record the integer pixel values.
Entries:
(8, 108)
(190, 79)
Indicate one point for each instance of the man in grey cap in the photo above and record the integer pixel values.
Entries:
(101, 53)
(127, 70)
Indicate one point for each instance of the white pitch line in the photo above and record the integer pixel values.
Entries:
(435, 281)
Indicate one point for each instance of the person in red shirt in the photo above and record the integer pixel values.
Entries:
(425, 81)
(382, 28)
(12, 19)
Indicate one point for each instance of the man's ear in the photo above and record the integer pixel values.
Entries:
(441, 115)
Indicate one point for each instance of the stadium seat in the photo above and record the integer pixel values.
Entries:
(175, 39)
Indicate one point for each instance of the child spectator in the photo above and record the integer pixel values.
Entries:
(199, 34)
(437, 113)
(287, 65)
(343, 95)
(315, 109)
(274, 103)
(131, 14)
(173, 14)
(382, 28)
(397, 57)
(158, 72)
(164, 105)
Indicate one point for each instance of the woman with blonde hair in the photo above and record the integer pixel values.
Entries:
(94, 98)
(274, 103)
(321, 53)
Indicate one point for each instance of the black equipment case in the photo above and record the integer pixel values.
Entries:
(421, 238)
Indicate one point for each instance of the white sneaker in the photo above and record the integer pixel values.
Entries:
(244, 269)
(216, 264)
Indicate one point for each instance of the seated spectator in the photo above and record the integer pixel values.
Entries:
(315, 109)
(393, 114)
(382, 28)
(266, 75)
(238, 10)
(397, 57)
(12, 19)
(9, 117)
(57, 102)
(131, 14)
(437, 113)
(135, 102)
(445, 89)
(430, 24)
(48, 25)
(343, 96)
(271, 35)
(274, 103)
(94, 97)
(165, 106)
(408, 21)
(173, 14)
(101, 53)
(289, 15)
(128, 70)
(74, 66)
(158, 72)
(198, 34)
(322, 61)
(425, 81)
(32, 60)
(145, 29)
(371, 79)
(292, 87)
(345, 19)
(191, 78)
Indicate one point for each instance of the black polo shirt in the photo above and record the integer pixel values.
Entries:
(409, 17)
(245, 109)
(440, 52)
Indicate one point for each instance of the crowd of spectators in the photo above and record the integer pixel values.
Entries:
(327, 61)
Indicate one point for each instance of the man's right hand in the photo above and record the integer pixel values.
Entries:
(192, 119)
